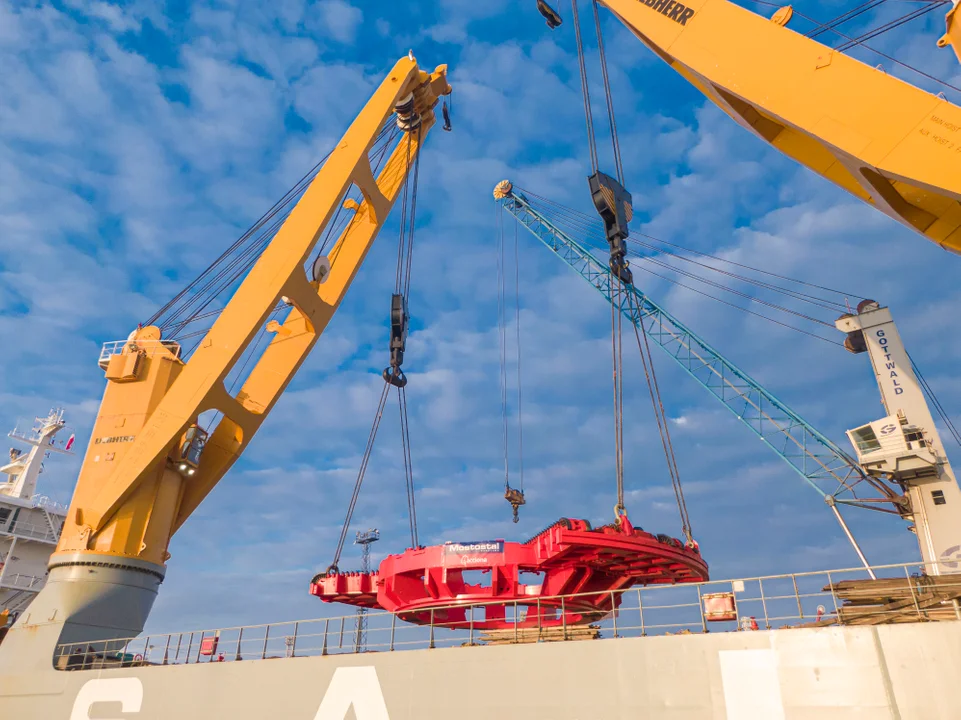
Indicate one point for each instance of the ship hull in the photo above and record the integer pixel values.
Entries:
(896, 671)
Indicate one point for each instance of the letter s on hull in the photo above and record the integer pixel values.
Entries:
(126, 691)
(356, 687)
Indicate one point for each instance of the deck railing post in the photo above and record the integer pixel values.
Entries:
(640, 610)
(266, 637)
(166, 650)
(760, 584)
(323, 650)
(614, 613)
(293, 645)
(190, 645)
(431, 644)
(515, 621)
(240, 639)
(834, 598)
(563, 619)
(538, 619)
(914, 597)
(797, 596)
(340, 645)
(200, 645)
(470, 640)
(180, 639)
(393, 625)
(700, 609)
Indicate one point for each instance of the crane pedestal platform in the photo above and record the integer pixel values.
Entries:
(428, 584)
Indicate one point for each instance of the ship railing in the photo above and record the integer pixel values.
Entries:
(42, 501)
(30, 531)
(901, 593)
(151, 347)
(20, 581)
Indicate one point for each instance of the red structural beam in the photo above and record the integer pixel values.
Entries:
(427, 584)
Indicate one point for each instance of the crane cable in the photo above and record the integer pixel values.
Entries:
(585, 88)
(514, 496)
(621, 294)
(647, 360)
(191, 303)
(862, 42)
(393, 376)
(585, 225)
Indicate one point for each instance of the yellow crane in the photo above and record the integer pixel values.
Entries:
(149, 464)
(887, 142)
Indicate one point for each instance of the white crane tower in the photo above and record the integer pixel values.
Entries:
(905, 446)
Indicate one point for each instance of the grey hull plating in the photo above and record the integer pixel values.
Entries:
(905, 672)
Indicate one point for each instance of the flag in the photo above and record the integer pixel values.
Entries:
(69, 442)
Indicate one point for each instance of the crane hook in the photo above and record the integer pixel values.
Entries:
(516, 499)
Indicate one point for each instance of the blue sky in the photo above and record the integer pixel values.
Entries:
(138, 140)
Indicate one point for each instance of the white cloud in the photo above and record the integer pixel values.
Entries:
(340, 19)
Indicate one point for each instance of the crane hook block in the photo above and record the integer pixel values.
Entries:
(398, 340)
(549, 13)
(446, 113)
(515, 498)
(615, 206)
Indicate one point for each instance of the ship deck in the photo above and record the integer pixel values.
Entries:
(842, 597)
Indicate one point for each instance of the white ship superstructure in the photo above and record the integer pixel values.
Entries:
(30, 523)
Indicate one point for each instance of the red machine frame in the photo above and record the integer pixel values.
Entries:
(427, 584)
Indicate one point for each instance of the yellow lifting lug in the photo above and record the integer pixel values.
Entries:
(952, 34)
(783, 15)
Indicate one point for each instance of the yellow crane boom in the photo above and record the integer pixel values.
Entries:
(892, 145)
(147, 467)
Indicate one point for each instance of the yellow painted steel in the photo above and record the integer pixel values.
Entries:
(883, 140)
(952, 30)
(131, 496)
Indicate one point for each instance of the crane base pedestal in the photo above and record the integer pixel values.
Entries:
(431, 584)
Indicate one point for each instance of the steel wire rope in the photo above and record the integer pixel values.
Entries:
(517, 343)
(585, 87)
(891, 25)
(617, 355)
(733, 291)
(844, 480)
(227, 274)
(752, 298)
(365, 460)
(242, 263)
(589, 223)
(660, 416)
(939, 408)
(907, 66)
(402, 286)
(608, 96)
(738, 307)
(844, 17)
(803, 297)
(502, 344)
(405, 245)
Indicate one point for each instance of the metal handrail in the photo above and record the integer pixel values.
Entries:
(21, 581)
(775, 600)
(31, 531)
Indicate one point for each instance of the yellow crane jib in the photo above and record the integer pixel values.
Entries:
(149, 465)
(891, 144)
